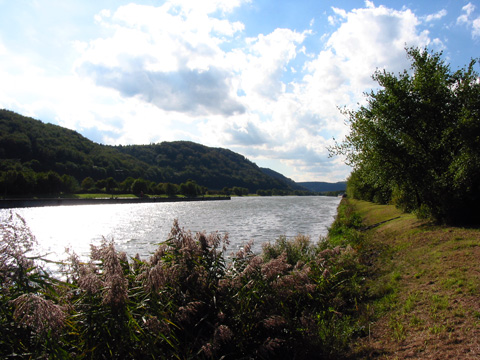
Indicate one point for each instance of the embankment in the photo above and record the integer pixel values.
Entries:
(424, 287)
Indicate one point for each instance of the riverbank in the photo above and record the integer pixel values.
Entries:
(383, 285)
(424, 287)
(22, 203)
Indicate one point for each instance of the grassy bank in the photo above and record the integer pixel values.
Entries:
(423, 288)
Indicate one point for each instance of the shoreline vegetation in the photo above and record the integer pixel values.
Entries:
(383, 284)
(32, 202)
(189, 300)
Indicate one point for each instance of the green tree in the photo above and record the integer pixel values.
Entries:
(418, 138)
(159, 189)
(55, 182)
(87, 183)
(239, 191)
(111, 184)
(190, 188)
(140, 186)
(69, 184)
(48, 183)
(126, 185)
(14, 182)
(101, 184)
(170, 189)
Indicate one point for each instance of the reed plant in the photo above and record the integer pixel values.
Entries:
(190, 299)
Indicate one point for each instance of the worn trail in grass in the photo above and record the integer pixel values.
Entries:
(425, 285)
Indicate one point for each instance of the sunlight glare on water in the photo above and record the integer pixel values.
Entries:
(138, 228)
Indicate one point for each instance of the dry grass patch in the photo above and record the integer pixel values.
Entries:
(426, 288)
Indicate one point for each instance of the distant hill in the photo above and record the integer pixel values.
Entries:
(215, 168)
(290, 182)
(29, 147)
(318, 186)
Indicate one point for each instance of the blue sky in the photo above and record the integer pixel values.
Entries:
(264, 78)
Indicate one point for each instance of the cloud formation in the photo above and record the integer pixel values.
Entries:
(167, 56)
(367, 39)
(191, 60)
(467, 18)
(192, 70)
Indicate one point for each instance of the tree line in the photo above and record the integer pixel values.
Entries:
(416, 142)
(21, 183)
(28, 183)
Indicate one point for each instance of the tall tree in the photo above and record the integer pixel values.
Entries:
(418, 138)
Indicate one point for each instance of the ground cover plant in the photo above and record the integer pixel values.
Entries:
(424, 287)
(190, 299)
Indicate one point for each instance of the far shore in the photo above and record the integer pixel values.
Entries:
(23, 203)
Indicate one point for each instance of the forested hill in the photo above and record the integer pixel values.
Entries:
(29, 147)
(215, 168)
(288, 181)
(318, 186)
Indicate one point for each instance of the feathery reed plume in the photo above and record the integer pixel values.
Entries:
(115, 284)
(41, 315)
(275, 267)
(274, 322)
(89, 280)
(222, 334)
(16, 243)
(272, 344)
(245, 251)
(254, 265)
(185, 313)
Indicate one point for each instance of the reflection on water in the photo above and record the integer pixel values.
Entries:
(137, 228)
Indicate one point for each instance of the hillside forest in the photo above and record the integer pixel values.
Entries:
(41, 159)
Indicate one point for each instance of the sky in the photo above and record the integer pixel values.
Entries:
(264, 78)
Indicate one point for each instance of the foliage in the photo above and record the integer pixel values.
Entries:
(29, 147)
(189, 300)
(215, 168)
(417, 141)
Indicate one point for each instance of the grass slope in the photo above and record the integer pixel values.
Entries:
(426, 286)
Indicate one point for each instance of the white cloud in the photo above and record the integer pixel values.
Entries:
(171, 60)
(374, 38)
(476, 27)
(208, 6)
(436, 16)
(340, 12)
(306, 120)
(266, 61)
(468, 10)
(469, 20)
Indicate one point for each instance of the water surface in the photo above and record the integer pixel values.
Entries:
(137, 228)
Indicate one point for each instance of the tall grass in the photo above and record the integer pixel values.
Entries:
(297, 299)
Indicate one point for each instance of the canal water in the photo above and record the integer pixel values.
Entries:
(138, 228)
